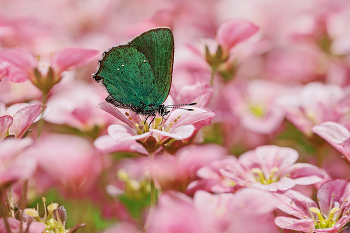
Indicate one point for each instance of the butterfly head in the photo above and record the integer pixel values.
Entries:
(162, 110)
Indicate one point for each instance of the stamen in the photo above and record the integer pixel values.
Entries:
(171, 124)
(156, 123)
(261, 177)
(139, 131)
(322, 221)
(146, 128)
(331, 204)
(58, 218)
(319, 225)
(312, 216)
(44, 201)
(319, 204)
(274, 172)
(331, 215)
(341, 208)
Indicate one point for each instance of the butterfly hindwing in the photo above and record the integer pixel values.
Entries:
(127, 76)
(158, 47)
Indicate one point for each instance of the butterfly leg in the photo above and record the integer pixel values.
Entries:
(154, 117)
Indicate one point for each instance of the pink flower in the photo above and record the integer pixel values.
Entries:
(272, 168)
(11, 92)
(65, 160)
(255, 105)
(199, 93)
(315, 104)
(106, 144)
(211, 178)
(18, 119)
(248, 210)
(122, 228)
(13, 167)
(180, 124)
(14, 224)
(74, 104)
(176, 172)
(337, 135)
(25, 65)
(234, 31)
(331, 215)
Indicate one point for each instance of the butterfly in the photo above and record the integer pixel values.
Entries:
(138, 75)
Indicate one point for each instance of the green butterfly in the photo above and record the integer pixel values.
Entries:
(137, 75)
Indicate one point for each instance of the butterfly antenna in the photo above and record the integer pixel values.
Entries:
(177, 106)
(180, 105)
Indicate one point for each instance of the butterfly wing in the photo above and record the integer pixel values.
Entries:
(158, 47)
(127, 76)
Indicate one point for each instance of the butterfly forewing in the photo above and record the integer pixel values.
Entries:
(158, 47)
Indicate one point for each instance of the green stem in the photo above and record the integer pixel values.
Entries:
(213, 73)
(7, 225)
(41, 121)
(23, 204)
(153, 193)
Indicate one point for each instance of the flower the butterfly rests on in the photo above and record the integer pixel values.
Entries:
(137, 77)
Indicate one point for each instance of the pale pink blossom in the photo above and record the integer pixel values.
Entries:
(44, 75)
(272, 168)
(315, 104)
(74, 104)
(107, 144)
(17, 119)
(122, 228)
(211, 178)
(234, 31)
(330, 215)
(177, 171)
(179, 124)
(67, 161)
(255, 105)
(199, 93)
(5, 123)
(14, 224)
(292, 64)
(336, 134)
(11, 92)
(248, 210)
(12, 166)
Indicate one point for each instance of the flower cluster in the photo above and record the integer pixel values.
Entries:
(254, 134)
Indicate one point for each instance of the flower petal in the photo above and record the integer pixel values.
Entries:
(70, 58)
(332, 132)
(305, 174)
(295, 203)
(284, 183)
(234, 31)
(22, 168)
(5, 123)
(304, 225)
(178, 133)
(24, 118)
(336, 134)
(106, 144)
(275, 156)
(333, 191)
(191, 117)
(20, 58)
(123, 133)
(111, 109)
